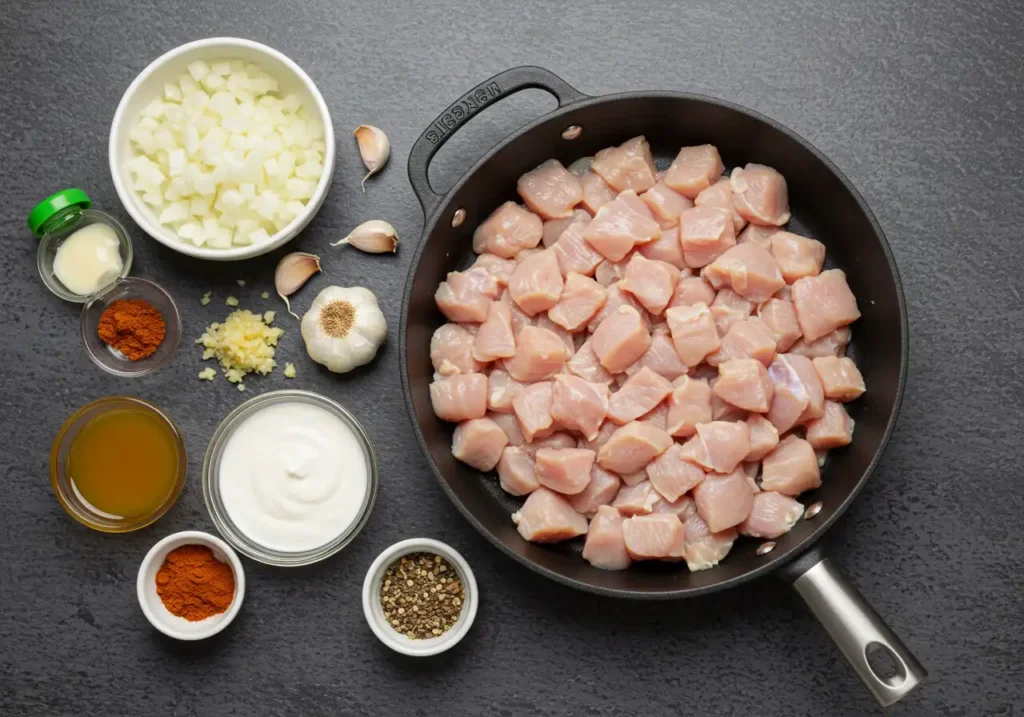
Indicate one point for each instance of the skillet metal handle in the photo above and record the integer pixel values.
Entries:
(463, 109)
(855, 627)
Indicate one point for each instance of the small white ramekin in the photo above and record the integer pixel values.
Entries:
(375, 613)
(149, 86)
(153, 608)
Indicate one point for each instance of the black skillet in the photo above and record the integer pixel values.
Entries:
(824, 204)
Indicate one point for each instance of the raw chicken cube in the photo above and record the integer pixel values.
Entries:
(510, 229)
(723, 410)
(719, 195)
(666, 249)
(494, 338)
(541, 321)
(537, 283)
(635, 478)
(840, 378)
(510, 425)
(605, 547)
(692, 290)
(581, 299)
(628, 166)
(682, 508)
(547, 517)
(600, 491)
(763, 437)
(724, 500)
(689, 404)
(579, 405)
(660, 357)
(637, 499)
(705, 549)
(693, 332)
(554, 440)
(451, 351)
(586, 365)
(460, 397)
(620, 225)
(516, 473)
(831, 344)
(749, 269)
(719, 446)
(466, 295)
(657, 416)
(694, 170)
(772, 516)
(671, 475)
(620, 339)
(596, 192)
(550, 191)
(500, 269)
(745, 383)
(540, 354)
(705, 233)
(823, 303)
(631, 447)
(791, 468)
(797, 256)
(729, 307)
(757, 234)
(651, 537)
(501, 391)
(761, 195)
(603, 434)
(616, 297)
(832, 430)
(749, 338)
(610, 272)
(519, 319)
(651, 282)
(573, 253)
(778, 315)
(554, 228)
(533, 409)
(666, 204)
(798, 393)
(479, 442)
(566, 470)
(641, 393)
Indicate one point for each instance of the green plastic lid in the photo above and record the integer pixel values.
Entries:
(55, 203)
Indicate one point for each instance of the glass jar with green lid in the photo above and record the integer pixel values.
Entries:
(81, 250)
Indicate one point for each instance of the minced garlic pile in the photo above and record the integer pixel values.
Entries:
(242, 344)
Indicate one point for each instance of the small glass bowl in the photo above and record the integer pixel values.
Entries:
(48, 245)
(111, 360)
(65, 491)
(215, 504)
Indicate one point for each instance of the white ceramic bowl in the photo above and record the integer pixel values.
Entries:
(149, 85)
(153, 608)
(375, 614)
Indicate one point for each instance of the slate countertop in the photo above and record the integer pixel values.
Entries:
(917, 102)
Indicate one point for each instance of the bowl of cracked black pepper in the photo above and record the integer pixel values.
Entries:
(420, 597)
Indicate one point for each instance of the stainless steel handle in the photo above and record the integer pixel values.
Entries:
(858, 631)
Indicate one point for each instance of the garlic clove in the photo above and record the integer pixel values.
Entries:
(375, 236)
(292, 272)
(374, 148)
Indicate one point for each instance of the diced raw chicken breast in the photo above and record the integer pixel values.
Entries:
(636, 499)
(719, 446)
(773, 515)
(547, 517)
(778, 315)
(525, 254)
(460, 397)
(660, 357)
(682, 508)
(719, 195)
(651, 282)
(600, 491)
(620, 339)
(641, 393)
(749, 338)
(631, 447)
(540, 354)
(515, 471)
(605, 547)
(671, 475)
(723, 410)
(798, 391)
(537, 283)
(579, 405)
(541, 321)
(724, 500)
(566, 470)
(510, 425)
(586, 365)
(479, 442)
(451, 351)
(501, 390)
(761, 195)
(749, 269)
(831, 344)
(554, 440)
(533, 409)
(628, 166)
(666, 204)
(823, 303)
(620, 225)
(797, 256)
(653, 537)
(494, 338)
(510, 229)
(757, 234)
(693, 332)
(791, 468)
(574, 254)
(729, 307)
(657, 416)
(609, 273)
(832, 430)
(519, 319)
(689, 404)
(694, 170)
(553, 228)
(666, 249)
(763, 437)
(692, 290)
(745, 383)
(603, 434)
(550, 191)
(705, 549)
(616, 297)
(500, 269)
(466, 295)
(596, 192)
(705, 233)
(840, 378)
(634, 478)
(581, 299)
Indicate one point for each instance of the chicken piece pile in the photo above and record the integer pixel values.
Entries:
(648, 357)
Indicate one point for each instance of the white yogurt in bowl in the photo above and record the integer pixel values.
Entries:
(289, 478)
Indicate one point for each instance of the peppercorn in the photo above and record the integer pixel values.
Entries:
(421, 595)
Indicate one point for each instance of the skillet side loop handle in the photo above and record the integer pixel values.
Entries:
(856, 629)
(465, 108)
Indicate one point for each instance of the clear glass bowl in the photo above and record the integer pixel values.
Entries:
(215, 504)
(66, 226)
(65, 491)
(105, 356)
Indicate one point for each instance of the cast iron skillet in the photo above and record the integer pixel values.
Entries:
(824, 204)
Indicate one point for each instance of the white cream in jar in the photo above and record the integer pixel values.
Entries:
(89, 259)
(293, 476)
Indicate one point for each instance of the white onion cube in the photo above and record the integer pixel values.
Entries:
(198, 70)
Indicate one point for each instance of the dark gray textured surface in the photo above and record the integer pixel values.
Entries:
(918, 102)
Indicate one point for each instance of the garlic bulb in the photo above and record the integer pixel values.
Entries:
(343, 328)
(374, 148)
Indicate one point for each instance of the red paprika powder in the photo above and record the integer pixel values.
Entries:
(133, 327)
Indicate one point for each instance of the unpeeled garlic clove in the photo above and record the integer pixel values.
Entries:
(292, 272)
(375, 236)
(374, 148)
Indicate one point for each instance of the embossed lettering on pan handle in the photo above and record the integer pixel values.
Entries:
(462, 110)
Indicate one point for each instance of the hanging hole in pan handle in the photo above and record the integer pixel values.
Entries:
(465, 108)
